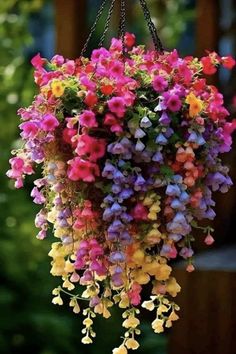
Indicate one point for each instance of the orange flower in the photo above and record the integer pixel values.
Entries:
(196, 105)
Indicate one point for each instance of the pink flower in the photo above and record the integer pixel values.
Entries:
(134, 294)
(93, 148)
(37, 61)
(80, 169)
(174, 103)
(58, 60)
(87, 119)
(90, 85)
(117, 105)
(159, 83)
(69, 67)
(29, 130)
(116, 69)
(140, 212)
(68, 134)
(49, 122)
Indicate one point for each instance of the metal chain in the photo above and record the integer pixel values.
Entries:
(107, 23)
(121, 33)
(93, 28)
(156, 40)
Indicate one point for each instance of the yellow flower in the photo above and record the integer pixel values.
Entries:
(120, 350)
(138, 257)
(152, 215)
(57, 88)
(86, 340)
(67, 284)
(88, 322)
(131, 322)
(172, 287)
(196, 105)
(69, 267)
(51, 217)
(147, 201)
(163, 272)
(57, 300)
(74, 303)
(155, 208)
(148, 305)
(124, 302)
(132, 344)
(157, 326)
(101, 309)
(173, 316)
(162, 308)
(141, 277)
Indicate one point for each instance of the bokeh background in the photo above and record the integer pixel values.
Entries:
(29, 323)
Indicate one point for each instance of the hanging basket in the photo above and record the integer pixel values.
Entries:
(129, 143)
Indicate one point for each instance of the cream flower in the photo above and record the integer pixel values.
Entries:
(148, 305)
(131, 322)
(132, 344)
(86, 340)
(157, 326)
(120, 350)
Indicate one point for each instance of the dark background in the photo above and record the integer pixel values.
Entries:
(29, 323)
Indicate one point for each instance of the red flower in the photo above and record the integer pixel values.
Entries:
(228, 62)
(67, 136)
(107, 89)
(91, 99)
(129, 39)
(208, 67)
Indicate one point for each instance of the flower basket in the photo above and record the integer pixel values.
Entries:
(129, 143)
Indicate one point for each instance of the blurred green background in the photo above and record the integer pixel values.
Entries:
(29, 323)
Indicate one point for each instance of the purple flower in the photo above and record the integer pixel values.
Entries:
(157, 157)
(173, 190)
(139, 146)
(38, 196)
(161, 139)
(164, 119)
(108, 171)
(145, 122)
(139, 134)
(126, 193)
(117, 257)
(186, 252)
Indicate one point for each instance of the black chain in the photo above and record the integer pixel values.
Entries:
(156, 40)
(93, 28)
(107, 23)
(121, 33)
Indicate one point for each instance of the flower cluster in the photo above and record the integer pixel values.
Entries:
(130, 152)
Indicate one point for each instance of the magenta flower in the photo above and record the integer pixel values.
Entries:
(88, 119)
(174, 103)
(159, 83)
(29, 130)
(49, 122)
(117, 106)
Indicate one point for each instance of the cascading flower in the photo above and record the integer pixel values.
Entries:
(130, 153)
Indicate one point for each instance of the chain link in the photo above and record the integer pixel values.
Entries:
(156, 40)
(121, 33)
(93, 28)
(107, 23)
